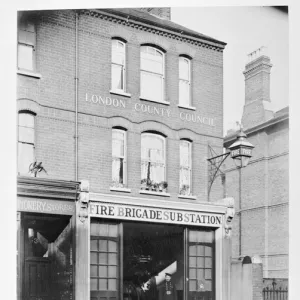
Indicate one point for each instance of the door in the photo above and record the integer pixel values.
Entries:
(105, 261)
(37, 279)
(200, 265)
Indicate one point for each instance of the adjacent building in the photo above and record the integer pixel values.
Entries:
(117, 109)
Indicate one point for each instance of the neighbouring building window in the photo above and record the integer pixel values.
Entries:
(25, 142)
(184, 81)
(26, 45)
(185, 167)
(153, 161)
(118, 65)
(118, 158)
(152, 74)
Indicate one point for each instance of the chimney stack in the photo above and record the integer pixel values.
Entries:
(257, 108)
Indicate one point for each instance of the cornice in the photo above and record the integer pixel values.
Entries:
(150, 26)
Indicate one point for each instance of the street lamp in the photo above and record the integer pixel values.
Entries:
(240, 151)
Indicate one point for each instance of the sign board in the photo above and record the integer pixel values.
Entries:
(46, 206)
(158, 215)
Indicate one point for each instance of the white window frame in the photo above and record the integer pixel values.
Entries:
(22, 27)
(147, 134)
(185, 103)
(113, 89)
(31, 143)
(124, 184)
(188, 167)
(160, 75)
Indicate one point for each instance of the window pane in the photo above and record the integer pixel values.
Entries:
(208, 262)
(184, 92)
(94, 229)
(207, 251)
(25, 57)
(193, 250)
(112, 272)
(26, 119)
(112, 284)
(102, 271)
(200, 250)
(208, 274)
(103, 258)
(208, 285)
(193, 236)
(192, 273)
(200, 262)
(25, 157)
(94, 285)
(102, 284)
(192, 261)
(117, 77)
(112, 246)
(118, 170)
(151, 60)
(26, 134)
(151, 86)
(206, 237)
(118, 138)
(94, 258)
(192, 285)
(102, 246)
(103, 229)
(200, 274)
(112, 259)
(94, 245)
(113, 230)
(184, 72)
(118, 52)
(94, 271)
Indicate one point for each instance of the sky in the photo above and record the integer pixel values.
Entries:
(244, 29)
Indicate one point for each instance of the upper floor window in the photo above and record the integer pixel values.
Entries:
(184, 81)
(153, 160)
(185, 167)
(118, 65)
(26, 141)
(26, 45)
(119, 158)
(152, 74)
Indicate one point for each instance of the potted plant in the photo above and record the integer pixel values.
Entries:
(143, 184)
(160, 186)
(148, 184)
(155, 186)
(164, 186)
(184, 189)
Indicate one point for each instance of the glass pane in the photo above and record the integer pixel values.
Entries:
(193, 236)
(94, 245)
(118, 52)
(200, 262)
(184, 92)
(206, 237)
(208, 285)
(103, 229)
(184, 72)
(94, 257)
(112, 246)
(94, 272)
(118, 143)
(112, 259)
(25, 57)
(94, 229)
(207, 251)
(208, 274)
(193, 250)
(112, 284)
(102, 271)
(200, 250)
(94, 284)
(112, 272)
(25, 157)
(193, 285)
(117, 170)
(102, 284)
(103, 258)
(102, 246)
(200, 274)
(151, 86)
(192, 273)
(113, 230)
(192, 262)
(208, 262)
(117, 79)
(26, 120)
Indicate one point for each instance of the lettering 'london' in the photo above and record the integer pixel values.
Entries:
(148, 109)
(154, 214)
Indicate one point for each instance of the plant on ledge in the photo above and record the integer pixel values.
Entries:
(117, 184)
(163, 186)
(185, 190)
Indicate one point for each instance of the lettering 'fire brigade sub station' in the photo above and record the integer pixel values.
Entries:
(154, 215)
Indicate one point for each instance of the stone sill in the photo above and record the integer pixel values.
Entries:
(187, 107)
(116, 189)
(190, 197)
(121, 93)
(154, 193)
(158, 102)
(29, 74)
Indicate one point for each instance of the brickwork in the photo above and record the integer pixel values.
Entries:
(99, 111)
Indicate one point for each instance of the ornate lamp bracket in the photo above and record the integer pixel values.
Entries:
(215, 162)
(83, 203)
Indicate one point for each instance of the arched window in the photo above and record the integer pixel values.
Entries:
(185, 167)
(118, 63)
(153, 158)
(119, 166)
(184, 81)
(26, 141)
(152, 74)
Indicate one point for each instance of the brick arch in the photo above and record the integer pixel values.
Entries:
(187, 134)
(186, 50)
(120, 32)
(156, 41)
(157, 126)
(121, 122)
(29, 105)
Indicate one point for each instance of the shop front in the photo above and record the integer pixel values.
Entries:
(144, 249)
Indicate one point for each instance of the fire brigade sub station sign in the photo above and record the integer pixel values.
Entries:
(158, 215)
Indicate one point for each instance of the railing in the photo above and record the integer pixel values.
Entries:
(275, 294)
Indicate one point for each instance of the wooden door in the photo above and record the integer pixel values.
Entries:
(37, 279)
(105, 261)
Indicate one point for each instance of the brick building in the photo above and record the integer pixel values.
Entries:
(261, 224)
(119, 106)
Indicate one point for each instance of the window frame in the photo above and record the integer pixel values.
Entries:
(160, 136)
(187, 103)
(124, 132)
(26, 142)
(113, 89)
(190, 167)
(161, 75)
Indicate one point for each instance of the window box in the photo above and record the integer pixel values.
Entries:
(154, 193)
(120, 189)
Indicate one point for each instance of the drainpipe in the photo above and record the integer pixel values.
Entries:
(76, 96)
